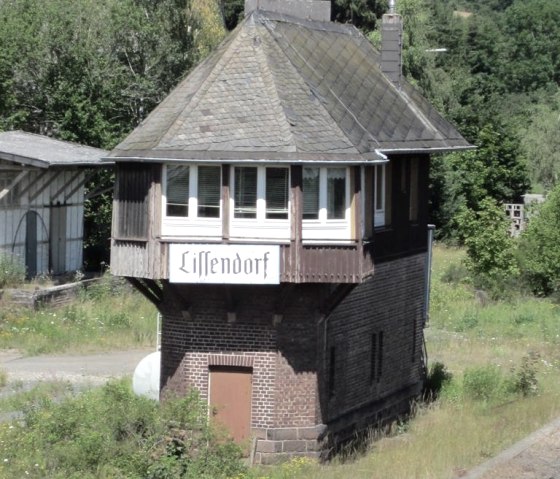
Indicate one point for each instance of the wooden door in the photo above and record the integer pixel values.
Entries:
(57, 244)
(230, 400)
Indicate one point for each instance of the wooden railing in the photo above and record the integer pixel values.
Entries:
(348, 263)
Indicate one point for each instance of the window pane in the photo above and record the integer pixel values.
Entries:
(336, 193)
(310, 193)
(414, 200)
(6, 179)
(379, 197)
(277, 193)
(177, 190)
(245, 196)
(379, 213)
(209, 191)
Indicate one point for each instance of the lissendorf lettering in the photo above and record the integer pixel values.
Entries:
(205, 263)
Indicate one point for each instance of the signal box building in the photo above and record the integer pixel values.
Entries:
(274, 208)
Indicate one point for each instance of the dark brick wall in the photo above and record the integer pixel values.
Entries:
(390, 303)
(275, 326)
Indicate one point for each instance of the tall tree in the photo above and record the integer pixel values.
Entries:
(362, 13)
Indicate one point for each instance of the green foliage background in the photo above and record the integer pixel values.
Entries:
(90, 71)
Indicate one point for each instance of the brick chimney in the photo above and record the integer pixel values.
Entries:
(318, 10)
(391, 45)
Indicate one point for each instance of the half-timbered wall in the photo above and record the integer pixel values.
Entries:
(43, 200)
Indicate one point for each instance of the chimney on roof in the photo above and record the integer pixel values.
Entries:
(391, 45)
(318, 10)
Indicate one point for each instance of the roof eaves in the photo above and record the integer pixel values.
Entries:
(24, 160)
(426, 150)
(228, 157)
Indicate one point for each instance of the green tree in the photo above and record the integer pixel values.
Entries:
(232, 11)
(490, 249)
(496, 169)
(539, 249)
(362, 13)
(532, 53)
(541, 141)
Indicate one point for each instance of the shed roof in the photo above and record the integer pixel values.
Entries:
(44, 152)
(287, 89)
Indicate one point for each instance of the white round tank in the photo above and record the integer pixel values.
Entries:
(145, 381)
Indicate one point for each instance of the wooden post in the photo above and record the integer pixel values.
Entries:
(296, 214)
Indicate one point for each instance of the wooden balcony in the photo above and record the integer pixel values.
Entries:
(344, 263)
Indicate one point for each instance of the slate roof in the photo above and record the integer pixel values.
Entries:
(286, 89)
(44, 152)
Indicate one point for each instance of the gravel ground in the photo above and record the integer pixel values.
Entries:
(96, 368)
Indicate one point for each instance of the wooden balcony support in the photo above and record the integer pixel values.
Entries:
(151, 290)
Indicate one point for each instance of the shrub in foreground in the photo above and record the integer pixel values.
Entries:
(109, 432)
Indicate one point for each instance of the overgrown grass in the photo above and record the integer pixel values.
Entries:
(111, 433)
(108, 315)
(504, 358)
(12, 270)
(20, 396)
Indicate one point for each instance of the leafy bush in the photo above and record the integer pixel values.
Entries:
(539, 248)
(438, 377)
(484, 383)
(12, 270)
(525, 380)
(110, 432)
(455, 273)
(490, 250)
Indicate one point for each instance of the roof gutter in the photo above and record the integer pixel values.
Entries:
(430, 150)
(255, 161)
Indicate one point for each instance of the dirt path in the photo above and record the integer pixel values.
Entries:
(95, 368)
(535, 457)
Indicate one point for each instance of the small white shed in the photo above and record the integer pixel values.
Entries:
(42, 200)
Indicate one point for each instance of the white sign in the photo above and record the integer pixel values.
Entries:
(224, 264)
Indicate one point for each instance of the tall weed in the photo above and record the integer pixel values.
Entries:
(12, 270)
(110, 432)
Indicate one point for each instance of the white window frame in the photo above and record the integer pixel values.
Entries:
(191, 225)
(324, 229)
(260, 227)
(379, 209)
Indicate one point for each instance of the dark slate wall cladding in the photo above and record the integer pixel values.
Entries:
(391, 304)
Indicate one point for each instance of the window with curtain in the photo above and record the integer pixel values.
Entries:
(177, 193)
(209, 191)
(336, 193)
(277, 193)
(310, 193)
(245, 195)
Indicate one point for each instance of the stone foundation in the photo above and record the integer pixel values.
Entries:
(276, 445)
